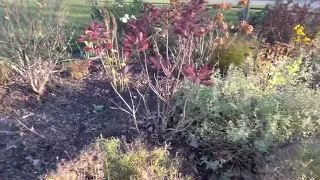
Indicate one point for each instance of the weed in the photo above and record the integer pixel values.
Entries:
(111, 159)
(78, 69)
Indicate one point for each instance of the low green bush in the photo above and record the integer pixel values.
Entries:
(137, 162)
(234, 52)
(255, 111)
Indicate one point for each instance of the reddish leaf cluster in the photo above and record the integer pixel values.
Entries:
(138, 31)
(158, 62)
(139, 42)
(201, 76)
(194, 19)
(96, 38)
(280, 17)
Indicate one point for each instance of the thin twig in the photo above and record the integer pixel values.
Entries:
(31, 129)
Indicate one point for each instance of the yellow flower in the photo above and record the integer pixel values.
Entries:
(109, 60)
(300, 32)
(122, 64)
(297, 27)
(113, 71)
(306, 40)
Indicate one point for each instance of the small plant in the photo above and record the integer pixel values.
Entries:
(33, 43)
(101, 43)
(4, 71)
(300, 35)
(79, 69)
(234, 53)
(111, 159)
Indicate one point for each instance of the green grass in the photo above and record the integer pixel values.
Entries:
(79, 11)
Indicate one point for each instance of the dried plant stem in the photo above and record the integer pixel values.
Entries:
(132, 109)
(31, 129)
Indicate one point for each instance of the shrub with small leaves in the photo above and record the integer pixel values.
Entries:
(232, 53)
(255, 111)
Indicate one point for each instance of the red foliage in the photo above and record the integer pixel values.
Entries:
(95, 33)
(202, 76)
(138, 42)
(158, 62)
(283, 17)
(192, 19)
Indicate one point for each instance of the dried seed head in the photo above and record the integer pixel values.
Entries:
(219, 17)
(225, 6)
(246, 28)
(243, 3)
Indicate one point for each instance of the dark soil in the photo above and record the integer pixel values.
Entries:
(36, 135)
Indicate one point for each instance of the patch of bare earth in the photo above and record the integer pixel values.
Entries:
(35, 135)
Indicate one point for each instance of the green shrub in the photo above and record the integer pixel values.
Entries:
(235, 53)
(137, 162)
(255, 111)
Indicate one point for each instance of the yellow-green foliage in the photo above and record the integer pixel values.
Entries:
(250, 110)
(235, 53)
(112, 160)
(136, 162)
(78, 69)
(283, 72)
(4, 71)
